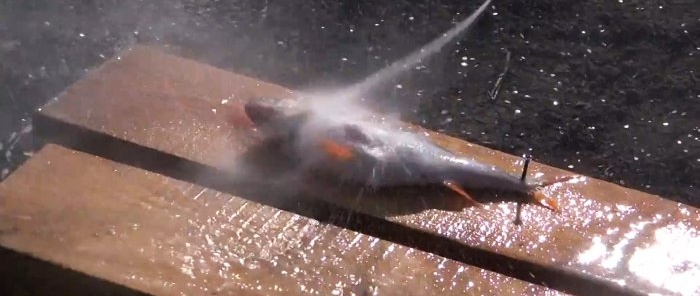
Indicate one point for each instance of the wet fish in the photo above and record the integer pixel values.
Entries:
(367, 150)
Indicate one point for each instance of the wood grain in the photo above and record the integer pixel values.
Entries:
(606, 235)
(167, 237)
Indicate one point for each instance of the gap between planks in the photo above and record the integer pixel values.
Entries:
(147, 232)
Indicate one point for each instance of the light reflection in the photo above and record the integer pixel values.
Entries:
(616, 257)
(595, 252)
(672, 262)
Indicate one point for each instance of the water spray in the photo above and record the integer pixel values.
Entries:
(361, 88)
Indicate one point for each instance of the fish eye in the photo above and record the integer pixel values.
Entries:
(260, 113)
(355, 134)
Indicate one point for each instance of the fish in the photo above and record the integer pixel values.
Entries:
(365, 148)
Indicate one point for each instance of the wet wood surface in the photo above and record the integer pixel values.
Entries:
(162, 236)
(606, 235)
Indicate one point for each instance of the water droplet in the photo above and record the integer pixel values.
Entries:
(555, 103)
(81, 35)
(517, 111)
(399, 86)
(627, 126)
(464, 64)
(665, 123)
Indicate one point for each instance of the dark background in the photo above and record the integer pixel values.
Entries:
(603, 88)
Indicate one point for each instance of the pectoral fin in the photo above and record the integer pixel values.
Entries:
(545, 201)
(337, 151)
(457, 189)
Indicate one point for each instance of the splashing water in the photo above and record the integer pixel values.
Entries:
(357, 90)
(346, 103)
(331, 109)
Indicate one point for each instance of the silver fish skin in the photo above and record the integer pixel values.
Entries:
(384, 153)
(387, 156)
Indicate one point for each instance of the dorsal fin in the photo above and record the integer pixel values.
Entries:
(527, 162)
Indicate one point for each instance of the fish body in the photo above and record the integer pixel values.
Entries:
(368, 151)
(385, 155)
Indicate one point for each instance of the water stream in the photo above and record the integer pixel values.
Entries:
(361, 88)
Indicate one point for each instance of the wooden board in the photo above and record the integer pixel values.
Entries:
(167, 237)
(605, 235)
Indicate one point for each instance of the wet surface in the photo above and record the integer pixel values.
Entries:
(620, 234)
(620, 241)
(604, 88)
(600, 231)
(164, 236)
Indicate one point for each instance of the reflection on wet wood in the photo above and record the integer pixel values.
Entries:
(605, 232)
(167, 237)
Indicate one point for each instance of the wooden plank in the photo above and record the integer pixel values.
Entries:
(21, 274)
(167, 237)
(603, 235)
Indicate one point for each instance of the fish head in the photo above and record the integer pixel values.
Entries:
(276, 116)
(266, 110)
(308, 126)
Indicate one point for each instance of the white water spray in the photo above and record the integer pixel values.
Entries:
(346, 104)
(329, 109)
(358, 90)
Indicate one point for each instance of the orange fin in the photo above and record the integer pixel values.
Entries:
(337, 151)
(456, 188)
(545, 201)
